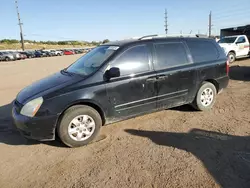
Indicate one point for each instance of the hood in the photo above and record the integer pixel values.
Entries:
(224, 45)
(52, 83)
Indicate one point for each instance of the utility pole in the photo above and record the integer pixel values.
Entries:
(210, 25)
(166, 21)
(20, 25)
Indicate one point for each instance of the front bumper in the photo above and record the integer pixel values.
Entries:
(37, 128)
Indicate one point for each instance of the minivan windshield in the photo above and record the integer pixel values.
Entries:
(90, 62)
(227, 40)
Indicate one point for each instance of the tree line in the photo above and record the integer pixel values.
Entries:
(73, 42)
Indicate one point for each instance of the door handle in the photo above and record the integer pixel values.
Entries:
(151, 79)
(162, 77)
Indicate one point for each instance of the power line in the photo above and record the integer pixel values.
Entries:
(230, 14)
(230, 7)
(233, 16)
(20, 25)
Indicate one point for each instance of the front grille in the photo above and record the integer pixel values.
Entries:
(18, 106)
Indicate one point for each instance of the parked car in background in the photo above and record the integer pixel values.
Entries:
(28, 54)
(235, 47)
(6, 56)
(86, 50)
(79, 51)
(118, 80)
(68, 52)
(47, 53)
(23, 56)
(39, 53)
(56, 52)
(16, 55)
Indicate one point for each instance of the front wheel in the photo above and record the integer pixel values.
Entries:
(79, 126)
(205, 97)
(231, 57)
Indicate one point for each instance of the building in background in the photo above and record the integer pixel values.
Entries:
(238, 30)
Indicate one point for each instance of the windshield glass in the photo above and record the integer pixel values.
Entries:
(90, 62)
(227, 40)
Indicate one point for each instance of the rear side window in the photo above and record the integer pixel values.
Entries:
(203, 51)
(170, 55)
(132, 61)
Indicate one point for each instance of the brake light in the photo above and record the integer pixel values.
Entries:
(227, 67)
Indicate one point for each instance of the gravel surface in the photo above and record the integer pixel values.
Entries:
(178, 147)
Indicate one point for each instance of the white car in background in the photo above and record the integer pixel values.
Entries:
(235, 47)
(56, 52)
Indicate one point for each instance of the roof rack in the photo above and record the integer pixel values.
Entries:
(147, 36)
(172, 35)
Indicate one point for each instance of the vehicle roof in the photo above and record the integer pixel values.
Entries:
(163, 39)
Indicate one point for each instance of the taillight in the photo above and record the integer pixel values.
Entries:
(227, 67)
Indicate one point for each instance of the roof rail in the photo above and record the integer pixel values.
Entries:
(172, 35)
(147, 36)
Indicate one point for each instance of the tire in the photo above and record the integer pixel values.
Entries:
(77, 114)
(7, 59)
(231, 57)
(202, 101)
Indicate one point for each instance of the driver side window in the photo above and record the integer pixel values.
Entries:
(241, 40)
(133, 60)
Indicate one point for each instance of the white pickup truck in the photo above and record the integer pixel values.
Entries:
(235, 47)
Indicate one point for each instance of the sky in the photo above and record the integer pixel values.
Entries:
(94, 20)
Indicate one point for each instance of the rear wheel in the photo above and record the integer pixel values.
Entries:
(79, 125)
(7, 59)
(231, 57)
(205, 97)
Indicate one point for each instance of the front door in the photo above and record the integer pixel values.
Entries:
(242, 46)
(134, 91)
(176, 76)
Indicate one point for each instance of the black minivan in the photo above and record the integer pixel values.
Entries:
(120, 80)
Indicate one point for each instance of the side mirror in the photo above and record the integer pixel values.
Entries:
(112, 73)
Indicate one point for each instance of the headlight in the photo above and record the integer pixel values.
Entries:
(30, 109)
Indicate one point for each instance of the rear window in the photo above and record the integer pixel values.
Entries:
(203, 51)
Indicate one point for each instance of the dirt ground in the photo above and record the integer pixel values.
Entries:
(178, 147)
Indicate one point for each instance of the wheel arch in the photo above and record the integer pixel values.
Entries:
(87, 103)
(232, 51)
(215, 83)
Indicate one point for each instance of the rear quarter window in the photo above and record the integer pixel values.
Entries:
(203, 51)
